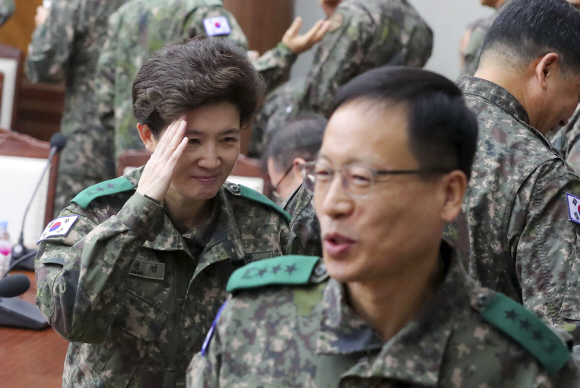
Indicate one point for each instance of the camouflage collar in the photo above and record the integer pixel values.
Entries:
(495, 94)
(224, 242)
(416, 353)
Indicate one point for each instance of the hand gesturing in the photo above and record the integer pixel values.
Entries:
(159, 170)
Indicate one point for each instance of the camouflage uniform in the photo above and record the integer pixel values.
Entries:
(136, 31)
(308, 336)
(567, 141)
(304, 222)
(473, 49)
(66, 48)
(6, 10)
(365, 34)
(133, 295)
(514, 233)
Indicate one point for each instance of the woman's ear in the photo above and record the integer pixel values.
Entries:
(454, 186)
(147, 137)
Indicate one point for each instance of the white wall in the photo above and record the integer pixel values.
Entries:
(447, 18)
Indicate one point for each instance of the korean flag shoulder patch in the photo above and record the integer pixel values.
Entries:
(217, 26)
(59, 227)
(573, 208)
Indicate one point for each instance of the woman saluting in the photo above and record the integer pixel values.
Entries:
(134, 269)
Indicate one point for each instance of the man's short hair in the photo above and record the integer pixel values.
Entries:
(442, 131)
(187, 75)
(301, 138)
(528, 29)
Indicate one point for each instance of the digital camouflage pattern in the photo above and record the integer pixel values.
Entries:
(304, 223)
(308, 336)
(567, 141)
(514, 232)
(133, 295)
(275, 65)
(365, 34)
(6, 10)
(66, 48)
(136, 31)
(479, 29)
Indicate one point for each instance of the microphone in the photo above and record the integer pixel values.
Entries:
(19, 252)
(14, 285)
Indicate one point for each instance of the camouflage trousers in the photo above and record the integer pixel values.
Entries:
(86, 160)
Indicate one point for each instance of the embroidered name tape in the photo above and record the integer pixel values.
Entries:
(217, 26)
(58, 227)
(573, 208)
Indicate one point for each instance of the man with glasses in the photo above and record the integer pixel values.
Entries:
(389, 304)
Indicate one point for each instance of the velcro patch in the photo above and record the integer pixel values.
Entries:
(217, 26)
(148, 270)
(59, 227)
(573, 208)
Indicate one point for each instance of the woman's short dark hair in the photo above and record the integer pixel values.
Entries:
(442, 131)
(187, 75)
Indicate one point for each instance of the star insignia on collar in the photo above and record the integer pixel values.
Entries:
(511, 315)
(291, 268)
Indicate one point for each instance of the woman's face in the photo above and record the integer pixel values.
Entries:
(213, 131)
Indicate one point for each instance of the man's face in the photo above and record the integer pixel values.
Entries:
(556, 103)
(384, 233)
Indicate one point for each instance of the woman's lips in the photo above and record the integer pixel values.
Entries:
(336, 244)
(206, 180)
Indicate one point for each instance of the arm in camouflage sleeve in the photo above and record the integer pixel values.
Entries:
(6, 10)
(338, 58)
(275, 65)
(105, 82)
(548, 248)
(81, 277)
(51, 46)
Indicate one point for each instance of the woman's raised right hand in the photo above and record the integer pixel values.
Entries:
(159, 170)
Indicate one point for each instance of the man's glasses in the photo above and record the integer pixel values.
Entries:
(357, 180)
(277, 186)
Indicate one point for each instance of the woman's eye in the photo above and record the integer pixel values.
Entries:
(194, 141)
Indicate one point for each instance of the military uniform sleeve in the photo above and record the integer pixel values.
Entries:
(81, 276)
(547, 249)
(275, 65)
(105, 82)
(6, 10)
(194, 25)
(52, 43)
(338, 57)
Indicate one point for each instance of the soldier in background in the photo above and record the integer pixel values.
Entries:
(65, 47)
(364, 34)
(475, 35)
(6, 10)
(518, 231)
(398, 309)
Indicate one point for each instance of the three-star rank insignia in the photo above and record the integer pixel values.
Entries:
(283, 270)
(573, 208)
(102, 189)
(528, 330)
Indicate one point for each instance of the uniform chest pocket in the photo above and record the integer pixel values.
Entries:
(141, 318)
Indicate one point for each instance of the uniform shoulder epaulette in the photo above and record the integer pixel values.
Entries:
(114, 186)
(525, 328)
(283, 270)
(246, 192)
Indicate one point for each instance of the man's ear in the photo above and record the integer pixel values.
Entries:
(454, 186)
(547, 67)
(147, 137)
(297, 162)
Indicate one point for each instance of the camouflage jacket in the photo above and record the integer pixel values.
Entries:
(66, 48)
(567, 141)
(304, 223)
(515, 233)
(472, 52)
(307, 335)
(275, 65)
(136, 31)
(365, 34)
(133, 295)
(6, 10)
